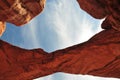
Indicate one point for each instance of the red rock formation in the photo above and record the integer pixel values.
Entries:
(95, 8)
(100, 56)
(19, 12)
(103, 8)
(2, 27)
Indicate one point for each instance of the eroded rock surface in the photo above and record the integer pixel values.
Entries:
(2, 27)
(103, 8)
(100, 56)
(20, 12)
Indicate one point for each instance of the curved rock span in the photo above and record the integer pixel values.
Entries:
(100, 56)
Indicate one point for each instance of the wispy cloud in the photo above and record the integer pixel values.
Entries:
(29, 35)
(71, 26)
(61, 24)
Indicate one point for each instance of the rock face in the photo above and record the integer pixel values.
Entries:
(19, 12)
(2, 27)
(99, 56)
(103, 8)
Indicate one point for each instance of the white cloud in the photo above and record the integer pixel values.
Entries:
(74, 77)
(67, 21)
(61, 24)
(72, 26)
(29, 35)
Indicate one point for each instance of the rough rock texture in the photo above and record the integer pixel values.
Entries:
(2, 27)
(103, 8)
(20, 12)
(100, 56)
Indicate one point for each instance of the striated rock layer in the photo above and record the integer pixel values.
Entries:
(20, 12)
(100, 56)
(103, 8)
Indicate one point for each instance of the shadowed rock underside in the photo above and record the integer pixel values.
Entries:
(99, 56)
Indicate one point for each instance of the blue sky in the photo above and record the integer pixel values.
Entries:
(61, 24)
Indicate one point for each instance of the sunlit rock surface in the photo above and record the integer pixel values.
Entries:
(19, 12)
(99, 56)
(2, 27)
